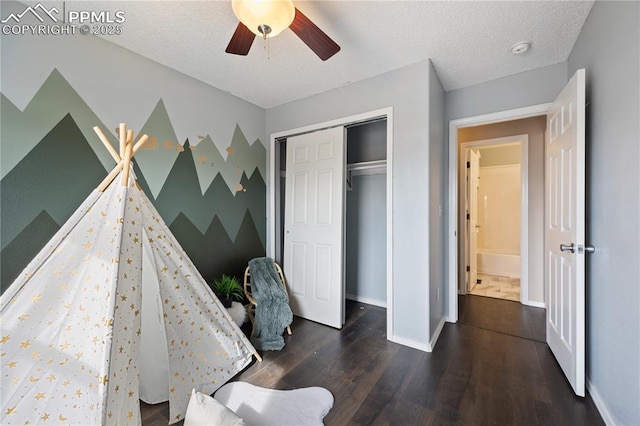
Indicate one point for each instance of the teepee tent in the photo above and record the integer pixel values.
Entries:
(71, 323)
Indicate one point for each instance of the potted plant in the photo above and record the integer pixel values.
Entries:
(228, 289)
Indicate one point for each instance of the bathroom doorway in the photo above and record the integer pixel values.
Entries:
(493, 215)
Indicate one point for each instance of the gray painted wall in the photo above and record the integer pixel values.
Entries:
(407, 91)
(437, 179)
(500, 155)
(366, 239)
(609, 49)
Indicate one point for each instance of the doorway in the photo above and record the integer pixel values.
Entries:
(493, 176)
(534, 250)
(368, 171)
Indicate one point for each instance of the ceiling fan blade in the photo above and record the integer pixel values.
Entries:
(241, 40)
(313, 36)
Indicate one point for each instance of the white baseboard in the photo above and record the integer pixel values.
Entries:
(436, 334)
(536, 304)
(410, 343)
(368, 301)
(419, 345)
(607, 417)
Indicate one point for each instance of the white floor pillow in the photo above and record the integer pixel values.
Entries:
(261, 406)
(206, 411)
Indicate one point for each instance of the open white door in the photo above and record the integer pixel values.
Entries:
(564, 234)
(473, 183)
(314, 225)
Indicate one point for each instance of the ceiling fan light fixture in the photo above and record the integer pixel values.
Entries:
(264, 17)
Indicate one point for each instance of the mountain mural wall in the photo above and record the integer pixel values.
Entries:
(213, 201)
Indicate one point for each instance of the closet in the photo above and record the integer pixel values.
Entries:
(365, 211)
(365, 215)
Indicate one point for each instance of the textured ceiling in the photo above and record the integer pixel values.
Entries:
(468, 42)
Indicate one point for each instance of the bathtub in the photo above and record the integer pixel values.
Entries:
(507, 265)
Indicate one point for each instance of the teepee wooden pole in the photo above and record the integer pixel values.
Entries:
(127, 162)
(122, 138)
(107, 144)
(141, 141)
(111, 176)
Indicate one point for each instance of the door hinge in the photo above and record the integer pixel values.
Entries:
(468, 164)
(468, 268)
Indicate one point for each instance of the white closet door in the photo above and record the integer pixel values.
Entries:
(314, 225)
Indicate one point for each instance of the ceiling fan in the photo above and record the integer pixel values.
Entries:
(267, 18)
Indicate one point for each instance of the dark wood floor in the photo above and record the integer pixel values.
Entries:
(492, 368)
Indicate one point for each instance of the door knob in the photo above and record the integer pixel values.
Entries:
(586, 249)
(571, 248)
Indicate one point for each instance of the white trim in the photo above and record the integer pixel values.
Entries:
(523, 141)
(273, 180)
(604, 411)
(411, 343)
(436, 334)
(536, 304)
(452, 229)
(367, 300)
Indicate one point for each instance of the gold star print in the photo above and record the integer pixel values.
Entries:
(68, 328)
(12, 364)
(24, 316)
(123, 298)
(130, 415)
(95, 340)
(87, 245)
(15, 380)
(36, 298)
(65, 345)
(79, 393)
(63, 287)
(90, 231)
(129, 261)
(35, 355)
(172, 390)
(120, 349)
(166, 302)
(136, 240)
(79, 355)
(25, 344)
(11, 410)
(5, 339)
(39, 395)
(87, 318)
(164, 269)
(45, 417)
(62, 418)
(117, 388)
(186, 312)
(130, 394)
(51, 377)
(66, 383)
(150, 228)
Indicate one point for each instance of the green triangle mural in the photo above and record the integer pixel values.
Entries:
(23, 130)
(57, 175)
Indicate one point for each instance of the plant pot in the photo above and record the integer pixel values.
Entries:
(226, 301)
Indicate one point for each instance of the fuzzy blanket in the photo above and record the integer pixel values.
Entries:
(273, 313)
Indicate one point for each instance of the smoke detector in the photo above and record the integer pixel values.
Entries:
(520, 47)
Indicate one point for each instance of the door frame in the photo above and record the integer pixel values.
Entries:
(523, 140)
(273, 181)
(452, 225)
